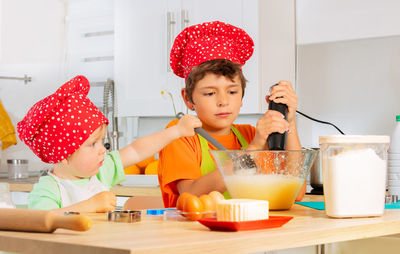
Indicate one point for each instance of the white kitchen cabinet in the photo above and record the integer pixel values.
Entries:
(144, 34)
(140, 70)
(90, 44)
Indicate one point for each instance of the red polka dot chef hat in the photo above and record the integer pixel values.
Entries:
(208, 41)
(57, 126)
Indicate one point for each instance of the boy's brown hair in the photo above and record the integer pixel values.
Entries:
(222, 67)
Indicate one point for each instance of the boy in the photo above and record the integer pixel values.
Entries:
(209, 56)
(67, 130)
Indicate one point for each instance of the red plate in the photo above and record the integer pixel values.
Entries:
(272, 222)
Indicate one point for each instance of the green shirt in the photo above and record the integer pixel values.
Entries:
(46, 193)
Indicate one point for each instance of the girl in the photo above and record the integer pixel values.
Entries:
(66, 129)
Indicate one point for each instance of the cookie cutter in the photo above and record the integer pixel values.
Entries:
(71, 213)
(124, 216)
(389, 199)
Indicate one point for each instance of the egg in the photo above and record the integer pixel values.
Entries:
(208, 202)
(216, 196)
(209, 205)
(181, 200)
(193, 206)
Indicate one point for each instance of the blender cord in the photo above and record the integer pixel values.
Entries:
(319, 121)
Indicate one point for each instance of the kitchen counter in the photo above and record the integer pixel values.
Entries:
(153, 235)
(26, 185)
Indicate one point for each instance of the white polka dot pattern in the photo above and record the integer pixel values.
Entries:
(208, 41)
(56, 126)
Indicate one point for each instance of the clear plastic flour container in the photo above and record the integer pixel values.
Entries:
(354, 174)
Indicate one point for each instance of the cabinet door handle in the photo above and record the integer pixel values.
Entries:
(184, 19)
(170, 35)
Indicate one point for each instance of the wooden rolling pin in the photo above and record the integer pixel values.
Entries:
(41, 220)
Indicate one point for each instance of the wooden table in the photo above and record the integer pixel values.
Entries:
(153, 235)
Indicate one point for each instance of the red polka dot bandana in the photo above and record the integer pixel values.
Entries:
(208, 41)
(57, 126)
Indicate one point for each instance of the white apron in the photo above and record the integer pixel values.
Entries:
(72, 193)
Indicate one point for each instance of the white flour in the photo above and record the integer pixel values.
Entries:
(354, 184)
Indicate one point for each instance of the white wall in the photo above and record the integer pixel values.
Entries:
(337, 20)
(353, 84)
(348, 66)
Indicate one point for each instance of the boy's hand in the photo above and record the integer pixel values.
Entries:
(272, 121)
(187, 124)
(103, 201)
(284, 93)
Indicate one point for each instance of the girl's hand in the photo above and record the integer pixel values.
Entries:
(103, 202)
(187, 124)
(284, 93)
(272, 121)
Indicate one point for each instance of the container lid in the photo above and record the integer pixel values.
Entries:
(397, 120)
(347, 139)
(17, 161)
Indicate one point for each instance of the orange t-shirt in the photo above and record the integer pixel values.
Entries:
(181, 159)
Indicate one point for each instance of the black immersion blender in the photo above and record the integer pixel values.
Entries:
(276, 140)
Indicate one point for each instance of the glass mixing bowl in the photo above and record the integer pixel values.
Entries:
(276, 176)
